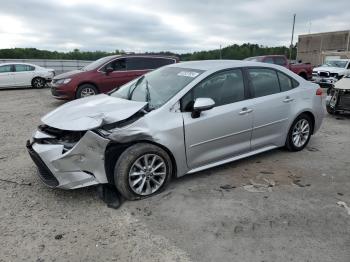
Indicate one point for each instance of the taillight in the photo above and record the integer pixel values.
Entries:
(319, 91)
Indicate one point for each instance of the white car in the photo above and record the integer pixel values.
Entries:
(331, 71)
(24, 74)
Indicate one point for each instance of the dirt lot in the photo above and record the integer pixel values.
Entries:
(207, 216)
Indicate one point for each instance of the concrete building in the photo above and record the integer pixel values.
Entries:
(317, 48)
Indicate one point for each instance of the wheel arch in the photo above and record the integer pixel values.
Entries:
(114, 151)
(308, 113)
(89, 83)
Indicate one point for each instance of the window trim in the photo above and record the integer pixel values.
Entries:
(245, 86)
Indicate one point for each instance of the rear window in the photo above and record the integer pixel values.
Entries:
(269, 60)
(144, 63)
(280, 61)
(286, 82)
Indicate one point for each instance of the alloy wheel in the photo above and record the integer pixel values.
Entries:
(147, 174)
(301, 133)
(87, 92)
(39, 83)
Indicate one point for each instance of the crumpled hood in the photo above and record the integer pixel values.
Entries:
(330, 69)
(343, 83)
(91, 112)
(68, 74)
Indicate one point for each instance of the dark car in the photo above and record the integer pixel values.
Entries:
(105, 74)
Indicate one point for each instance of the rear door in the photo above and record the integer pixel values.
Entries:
(6, 76)
(23, 74)
(272, 106)
(224, 131)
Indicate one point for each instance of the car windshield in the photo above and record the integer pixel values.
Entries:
(158, 86)
(335, 63)
(96, 64)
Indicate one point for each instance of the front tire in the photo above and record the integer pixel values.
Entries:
(299, 133)
(86, 90)
(38, 82)
(142, 170)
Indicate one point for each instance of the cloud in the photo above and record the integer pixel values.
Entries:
(162, 25)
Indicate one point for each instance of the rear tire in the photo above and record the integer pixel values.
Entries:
(38, 82)
(86, 90)
(299, 133)
(142, 170)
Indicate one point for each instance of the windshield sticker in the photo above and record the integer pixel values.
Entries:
(188, 74)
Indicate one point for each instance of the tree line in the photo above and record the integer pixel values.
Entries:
(229, 52)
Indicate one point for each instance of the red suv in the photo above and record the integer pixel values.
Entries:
(105, 74)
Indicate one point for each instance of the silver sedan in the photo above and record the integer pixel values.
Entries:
(176, 120)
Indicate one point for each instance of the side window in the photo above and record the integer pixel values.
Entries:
(280, 61)
(5, 68)
(145, 63)
(157, 62)
(23, 68)
(117, 65)
(286, 82)
(224, 88)
(269, 60)
(136, 63)
(348, 66)
(264, 81)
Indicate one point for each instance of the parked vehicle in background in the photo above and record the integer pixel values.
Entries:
(178, 119)
(23, 75)
(338, 100)
(330, 72)
(301, 69)
(105, 74)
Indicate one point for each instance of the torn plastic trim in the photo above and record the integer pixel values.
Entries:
(81, 166)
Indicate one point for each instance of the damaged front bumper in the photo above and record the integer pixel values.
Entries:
(69, 165)
(339, 100)
(324, 81)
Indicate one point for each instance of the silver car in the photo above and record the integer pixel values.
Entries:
(177, 120)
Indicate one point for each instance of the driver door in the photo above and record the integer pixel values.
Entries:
(224, 131)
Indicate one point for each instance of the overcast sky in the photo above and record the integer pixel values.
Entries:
(163, 25)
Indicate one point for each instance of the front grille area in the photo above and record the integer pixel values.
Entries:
(61, 137)
(324, 74)
(344, 100)
(44, 172)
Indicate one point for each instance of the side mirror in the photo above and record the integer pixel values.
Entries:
(202, 104)
(109, 69)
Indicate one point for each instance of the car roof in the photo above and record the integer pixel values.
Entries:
(215, 65)
(142, 55)
(17, 63)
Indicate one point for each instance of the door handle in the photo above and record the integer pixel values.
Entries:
(288, 99)
(245, 111)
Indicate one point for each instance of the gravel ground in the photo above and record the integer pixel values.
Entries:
(208, 216)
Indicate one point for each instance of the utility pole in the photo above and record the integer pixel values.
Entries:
(291, 42)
